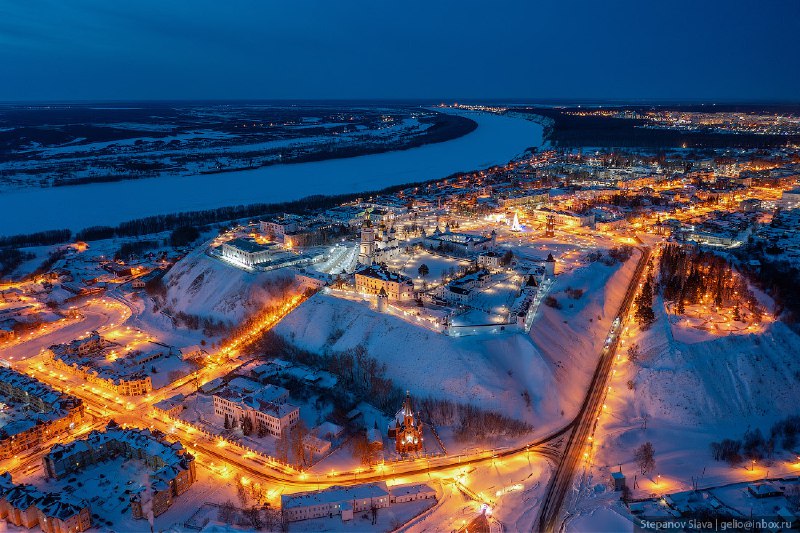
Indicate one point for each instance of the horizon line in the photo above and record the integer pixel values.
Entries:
(509, 101)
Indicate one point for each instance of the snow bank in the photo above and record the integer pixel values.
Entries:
(600, 521)
(571, 338)
(491, 372)
(207, 287)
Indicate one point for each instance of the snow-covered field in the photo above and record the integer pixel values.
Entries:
(496, 140)
(513, 488)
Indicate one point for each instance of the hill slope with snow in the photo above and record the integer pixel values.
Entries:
(724, 379)
(572, 337)
(491, 372)
(208, 287)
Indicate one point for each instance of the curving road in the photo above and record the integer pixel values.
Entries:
(96, 314)
(104, 312)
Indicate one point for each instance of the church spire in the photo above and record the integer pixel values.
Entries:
(407, 408)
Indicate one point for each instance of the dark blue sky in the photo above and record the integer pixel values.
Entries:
(298, 49)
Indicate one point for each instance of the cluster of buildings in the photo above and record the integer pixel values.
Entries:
(465, 244)
(53, 512)
(377, 244)
(346, 501)
(295, 231)
(279, 241)
(781, 235)
(105, 363)
(265, 408)
(31, 413)
(172, 468)
(461, 290)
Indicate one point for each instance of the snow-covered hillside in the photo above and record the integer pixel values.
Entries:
(205, 286)
(683, 396)
(728, 378)
(572, 337)
(491, 372)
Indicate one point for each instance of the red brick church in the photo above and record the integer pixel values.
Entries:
(407, 429)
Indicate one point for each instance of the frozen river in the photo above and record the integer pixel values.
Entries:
(496, 140)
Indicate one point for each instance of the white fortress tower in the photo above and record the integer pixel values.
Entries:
(382, 301)
(550, 266)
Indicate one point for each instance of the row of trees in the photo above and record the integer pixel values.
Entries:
(644, 315)
(617, 254)
(289, 444)
(10, 259)
(40, 238)
(753, 446)
(247, 426)
(290, 448)
(363, 378)
(280, 290)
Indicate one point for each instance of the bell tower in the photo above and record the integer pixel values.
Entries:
(550, 228)
(367, 248)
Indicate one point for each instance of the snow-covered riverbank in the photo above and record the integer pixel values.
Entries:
(496, 140)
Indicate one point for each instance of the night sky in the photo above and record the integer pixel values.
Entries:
(298, 49)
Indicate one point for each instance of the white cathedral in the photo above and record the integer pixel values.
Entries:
(377, 246)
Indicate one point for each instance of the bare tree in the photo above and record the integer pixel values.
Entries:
(297, 437)
(282, 447)
(253, 514)
(634, 353)
(361, 450)
(241, 492)
(226, 512)
(645, 457)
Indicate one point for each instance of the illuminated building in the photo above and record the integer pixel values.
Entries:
(277, 227)
(367, 247)
(334, 501)
(407, 429)
(463, 243)
(265, 408)
(53, 512)
(32, 412)
(374, 279)
(125, 375)
(172, 468)
(246, 252)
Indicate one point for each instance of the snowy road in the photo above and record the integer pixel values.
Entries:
(497, 140)
(97, 314)
(585, 422)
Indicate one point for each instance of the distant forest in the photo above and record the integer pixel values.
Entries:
(571, 131)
